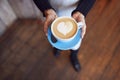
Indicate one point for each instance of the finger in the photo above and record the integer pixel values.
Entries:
(83, 31)
(79, 19)
(46, 24)
(48, 21)
(75, 16)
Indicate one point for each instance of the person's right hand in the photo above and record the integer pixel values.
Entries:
(50, 15)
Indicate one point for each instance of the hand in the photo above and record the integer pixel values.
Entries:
(50, 17)
(79, 17)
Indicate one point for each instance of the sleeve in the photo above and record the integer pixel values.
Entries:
(43, 5)
(84, 6)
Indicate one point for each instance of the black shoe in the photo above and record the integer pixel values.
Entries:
(56, 52)
(74, 60)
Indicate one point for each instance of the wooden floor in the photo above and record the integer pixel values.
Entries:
(25, 53)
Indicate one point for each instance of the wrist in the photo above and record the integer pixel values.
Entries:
(80, 14)
(50, 12)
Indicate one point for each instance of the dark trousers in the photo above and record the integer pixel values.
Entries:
(73, 52)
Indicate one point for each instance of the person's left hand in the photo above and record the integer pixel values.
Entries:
(79, 17)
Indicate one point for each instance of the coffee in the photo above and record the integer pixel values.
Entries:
(64, 28)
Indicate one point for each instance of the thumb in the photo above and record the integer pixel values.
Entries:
(75, 16)
(46, 24)
(83, 31)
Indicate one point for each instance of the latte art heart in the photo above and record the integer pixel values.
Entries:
(65, 27)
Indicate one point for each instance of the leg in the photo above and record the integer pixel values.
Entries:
(56, 52)
(74, 60)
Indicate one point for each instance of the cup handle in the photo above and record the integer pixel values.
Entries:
(80, 25)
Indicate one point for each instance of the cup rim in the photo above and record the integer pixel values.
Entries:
(57, 37)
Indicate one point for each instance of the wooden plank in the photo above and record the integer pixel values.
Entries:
(94, 30)
(27, 33)
(11, 64)
(36, 38)
(4, 54)
(27, 66)
(117, 75)
(113, 66)
(6, 70)
(101, 53)
(38, 67)
(8, 37)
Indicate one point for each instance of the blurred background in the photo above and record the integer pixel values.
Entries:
(25, 53)
(10, 10)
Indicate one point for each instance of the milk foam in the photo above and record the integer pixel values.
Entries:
(65, 27)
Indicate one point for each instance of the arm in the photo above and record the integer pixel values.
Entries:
(43, 5)
(84, 6)
(81, 11)
(47, 11)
